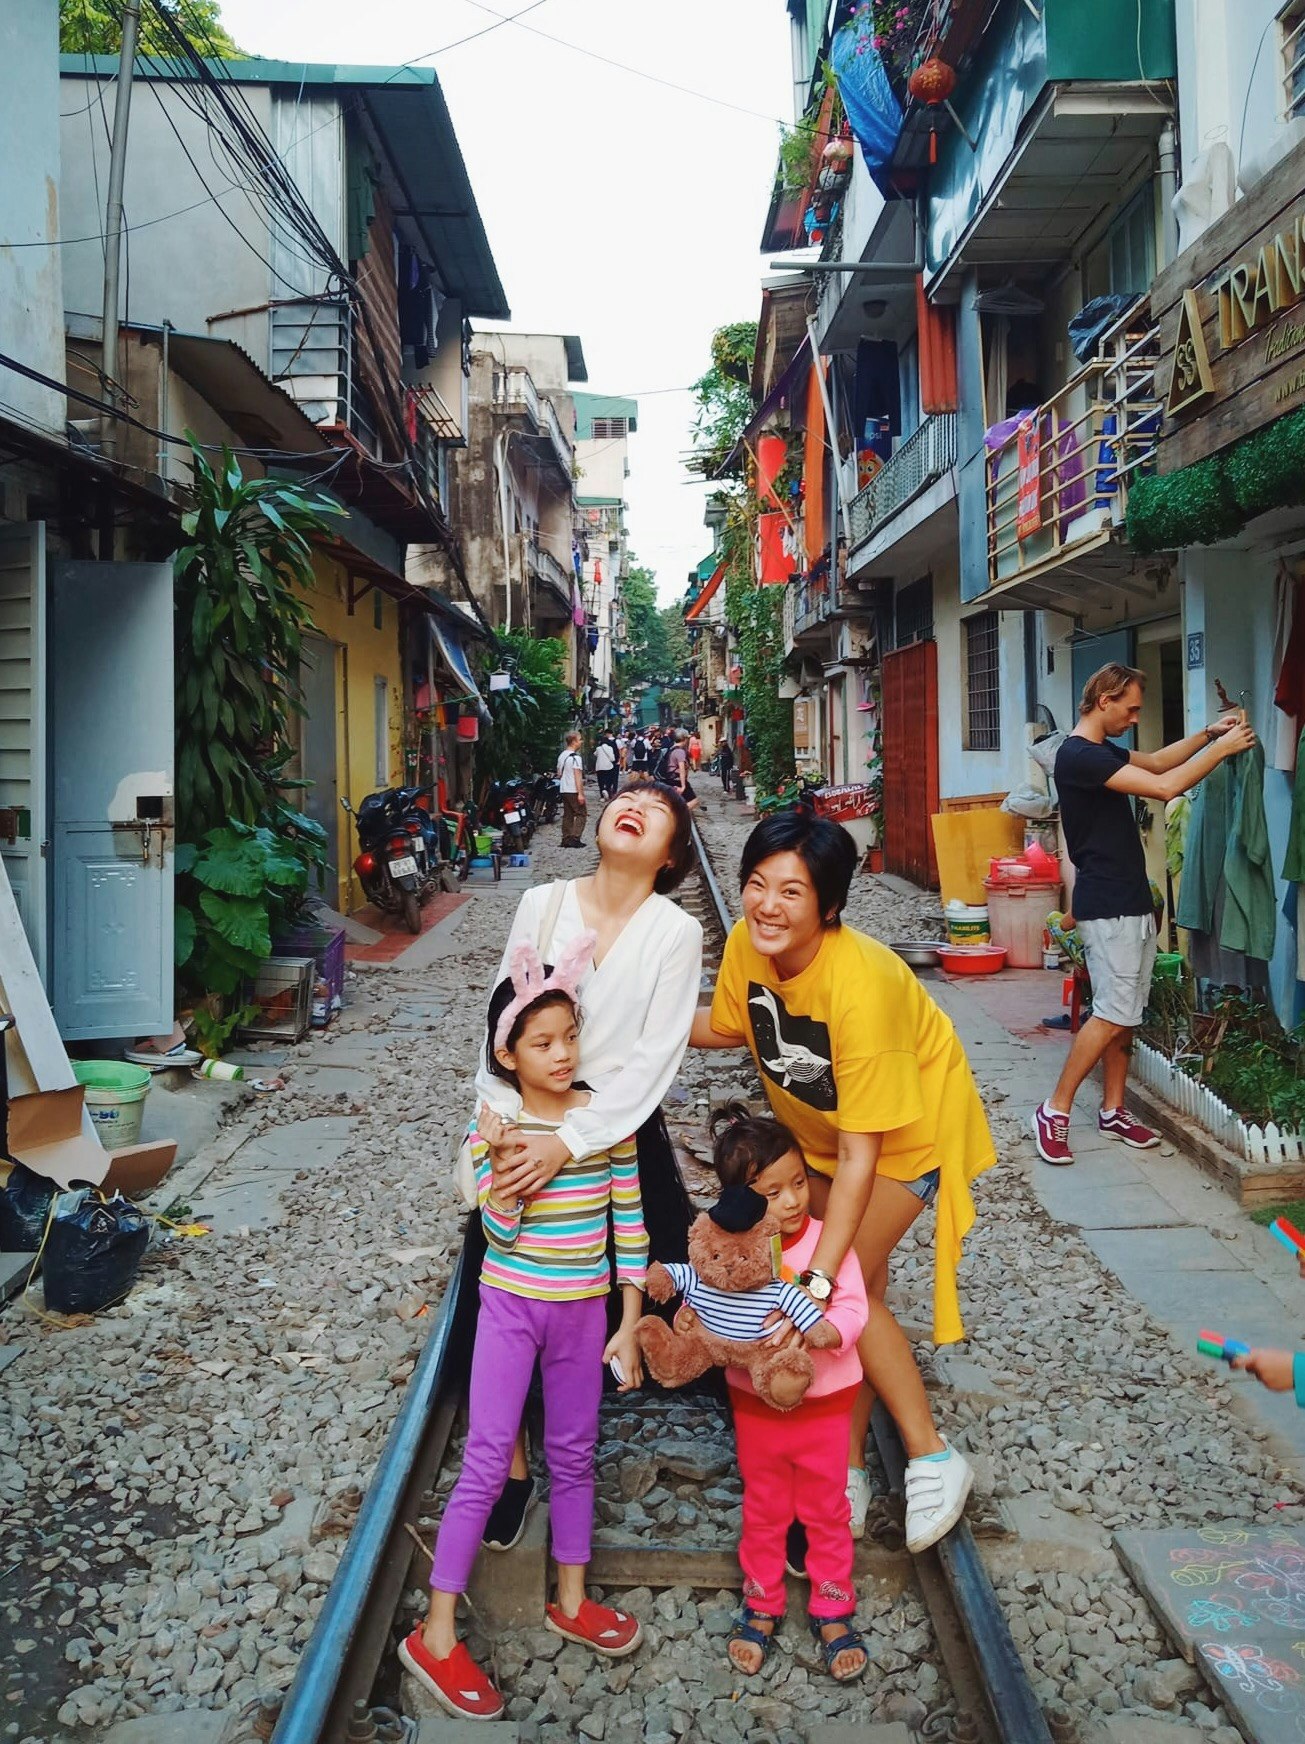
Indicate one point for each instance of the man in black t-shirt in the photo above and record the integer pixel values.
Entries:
(1096, 782)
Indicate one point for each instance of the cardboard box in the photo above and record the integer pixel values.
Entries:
(45, 1133)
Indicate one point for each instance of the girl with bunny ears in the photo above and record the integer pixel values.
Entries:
(543, 1290)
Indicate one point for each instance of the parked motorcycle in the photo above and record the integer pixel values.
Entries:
(545, 798)
(506, 806)
(399, 864)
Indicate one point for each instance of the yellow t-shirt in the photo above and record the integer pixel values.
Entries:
(855, 1044)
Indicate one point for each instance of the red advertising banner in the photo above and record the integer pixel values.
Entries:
(1028, 508)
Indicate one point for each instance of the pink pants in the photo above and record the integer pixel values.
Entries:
(794, 1467)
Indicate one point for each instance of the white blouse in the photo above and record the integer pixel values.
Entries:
(638, 1007)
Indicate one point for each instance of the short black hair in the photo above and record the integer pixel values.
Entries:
(501, 998)
(680, 862)
(746, 1143)
(825, 848)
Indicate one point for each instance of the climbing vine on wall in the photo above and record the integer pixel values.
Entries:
(757, 615)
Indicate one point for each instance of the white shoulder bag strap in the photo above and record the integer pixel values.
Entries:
(464, 1168)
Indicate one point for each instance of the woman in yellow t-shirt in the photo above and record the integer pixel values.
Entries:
(869, 1075)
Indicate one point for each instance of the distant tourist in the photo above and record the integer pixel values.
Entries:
(571, 781)
(605, 765)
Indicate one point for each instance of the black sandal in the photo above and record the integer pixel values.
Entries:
(745, 1630)
(850, 1641)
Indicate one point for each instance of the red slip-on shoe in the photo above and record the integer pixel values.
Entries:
(614, 1633)
(457, 1683)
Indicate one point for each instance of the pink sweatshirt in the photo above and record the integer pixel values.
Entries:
(847, 1310)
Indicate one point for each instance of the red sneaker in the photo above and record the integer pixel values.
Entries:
(1120, 1124)
(457, 1683)
(1051, 1135)
(613, 1633)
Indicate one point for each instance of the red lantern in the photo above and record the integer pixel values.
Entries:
(932, 83)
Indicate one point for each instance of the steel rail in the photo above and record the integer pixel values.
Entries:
(349, 1640)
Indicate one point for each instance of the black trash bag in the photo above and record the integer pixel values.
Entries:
(1094, 319)
(24, 1206)
(92, 1254)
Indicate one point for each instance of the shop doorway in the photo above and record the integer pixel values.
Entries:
(910, 734)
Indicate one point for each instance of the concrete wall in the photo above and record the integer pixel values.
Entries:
(1230, 90)
(543, 354)
(31, 278)
(187, 264)
(602, 462)
(365, 654)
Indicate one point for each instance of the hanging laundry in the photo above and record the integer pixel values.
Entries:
(1293, 867)
(1250, 910)
(1228, 891)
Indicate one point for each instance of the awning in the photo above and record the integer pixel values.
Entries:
(455, 658)
(705, 597)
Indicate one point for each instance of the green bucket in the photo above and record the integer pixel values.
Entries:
(115, 1099)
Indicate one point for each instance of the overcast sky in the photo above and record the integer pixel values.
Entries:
(616, 208)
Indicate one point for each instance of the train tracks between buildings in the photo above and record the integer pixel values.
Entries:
(361, 1616)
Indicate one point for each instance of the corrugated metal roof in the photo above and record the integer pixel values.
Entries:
(408, 110)
(591, 406)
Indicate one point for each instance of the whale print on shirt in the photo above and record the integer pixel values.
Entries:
(794, 1052)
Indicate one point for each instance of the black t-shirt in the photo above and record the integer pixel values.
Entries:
(1100, 832)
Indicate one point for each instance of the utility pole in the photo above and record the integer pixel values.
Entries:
(113, 217)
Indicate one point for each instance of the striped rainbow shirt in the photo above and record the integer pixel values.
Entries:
(554, 1247)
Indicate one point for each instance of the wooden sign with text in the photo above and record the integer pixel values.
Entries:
(1231, 311)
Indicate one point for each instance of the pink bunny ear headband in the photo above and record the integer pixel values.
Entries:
(529, 981)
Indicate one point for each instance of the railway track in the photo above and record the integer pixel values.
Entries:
(352, 1643)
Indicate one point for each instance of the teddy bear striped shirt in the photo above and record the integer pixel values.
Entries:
(741, 1314)
(553, 1247)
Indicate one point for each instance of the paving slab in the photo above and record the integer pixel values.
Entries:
(1131, 1206)
(190, 1726)
(1232, 1599)
(1142, 1251)
(14, 1268)
(330, 1079)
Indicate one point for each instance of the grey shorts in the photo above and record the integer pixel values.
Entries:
(925, 1187)
(1120, 959)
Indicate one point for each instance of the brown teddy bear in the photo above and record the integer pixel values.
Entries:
(730, 1286)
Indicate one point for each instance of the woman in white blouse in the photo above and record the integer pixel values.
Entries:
(638, 999)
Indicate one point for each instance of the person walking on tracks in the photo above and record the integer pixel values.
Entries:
(869, 1075)
(793, 1459)
(543, 1290)
(571, 782)
(640, 991)
(1097, 782)
(605, 766)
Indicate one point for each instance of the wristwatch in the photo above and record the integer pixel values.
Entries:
(818, 1285)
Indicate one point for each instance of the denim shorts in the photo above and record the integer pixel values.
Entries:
(925, 1187)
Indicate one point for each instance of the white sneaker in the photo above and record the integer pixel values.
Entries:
(858, 1494)
(936, 1491)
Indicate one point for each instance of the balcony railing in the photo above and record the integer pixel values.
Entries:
(551, 425)
(514, 391)
(553, 575)
(1081, 452)
(922, 458)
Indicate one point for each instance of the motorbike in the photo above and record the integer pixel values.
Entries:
(545, 798)
(400, 863)
(507, 806)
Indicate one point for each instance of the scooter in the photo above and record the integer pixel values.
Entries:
(506, 804)
(400, 863)
(545, 798)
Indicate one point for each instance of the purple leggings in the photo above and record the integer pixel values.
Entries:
(568, 1339)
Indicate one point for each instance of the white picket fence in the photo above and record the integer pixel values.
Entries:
(1269, 1146)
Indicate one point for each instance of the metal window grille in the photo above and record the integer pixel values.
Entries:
(1291, 24)
(610, 427)
(915, 613)
(983, 683)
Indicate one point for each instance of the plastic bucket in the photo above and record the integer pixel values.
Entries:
(115, 1098)
(1018, 915)
(967, 923)
(484, 841)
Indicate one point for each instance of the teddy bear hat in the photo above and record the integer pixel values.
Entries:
(530, 979)
(738, 1209)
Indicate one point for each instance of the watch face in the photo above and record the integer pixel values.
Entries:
(819, 1287)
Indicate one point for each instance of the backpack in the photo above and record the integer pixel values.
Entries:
(662, 768)
(639, 752)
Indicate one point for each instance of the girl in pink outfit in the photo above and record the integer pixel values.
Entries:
(793, 1463)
